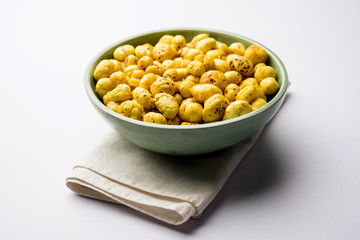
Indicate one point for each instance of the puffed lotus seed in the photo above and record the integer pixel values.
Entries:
(176, 82)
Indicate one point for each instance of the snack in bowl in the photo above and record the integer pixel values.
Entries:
(206, 70)
(189, 91)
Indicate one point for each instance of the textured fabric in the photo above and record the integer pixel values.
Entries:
(169, 188)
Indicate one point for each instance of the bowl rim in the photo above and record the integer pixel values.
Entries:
(91, 94)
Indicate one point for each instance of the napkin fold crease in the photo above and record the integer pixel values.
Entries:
(169, 188)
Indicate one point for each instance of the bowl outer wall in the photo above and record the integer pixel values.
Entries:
(187, 140)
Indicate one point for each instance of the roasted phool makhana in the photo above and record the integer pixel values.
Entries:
(176, 82)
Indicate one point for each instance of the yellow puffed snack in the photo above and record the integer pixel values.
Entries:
(118, 78)
(181, 62)
(222, 46)
(151, 47)
(201, 92)
(193, 78)
(147, 80)
(256, 54)
(215, 77)
(214, 108)
(122, 52)
(182, 73)
(249, 93)
(144, 98)
(129, 70)
(171, 73)
(104, 85)
(216, 54)
(106, 99)
(199, 37)
(206, 44)
(231, 91)
(259, 65)
(178, 98)
(158, 63)
(269, 85)
(178, 42)
(122, 66)
(240, 64)
(153, 117)
(169, 64)
(185, 88)
(199, 57)
(185, 83)
(196, 68)
(131, 60)
(117, 65)
(192, 53)
(190, 111)
(166, 39)
(175, 121)
(163, 85)
(237, 48)
(106, 67)
(248, 82)
(183, 51)
(137, 73)
(167, 105)
(143, 50)
(134, 82)
(121, 93)
(164, 52)
(264, 72)
(144, 62)
(188, 123)
(258, 103)
(221, 65)
(209, 63)
(131, 109)
(112, 105)
(156, 69)
(233, 77)
(176, 86)
(237, 109)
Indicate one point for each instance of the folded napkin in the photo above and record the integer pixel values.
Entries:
(169, 188)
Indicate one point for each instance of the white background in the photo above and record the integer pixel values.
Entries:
(300, 181)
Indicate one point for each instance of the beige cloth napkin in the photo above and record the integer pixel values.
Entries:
(169, 188)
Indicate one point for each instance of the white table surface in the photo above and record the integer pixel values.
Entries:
(300, 181)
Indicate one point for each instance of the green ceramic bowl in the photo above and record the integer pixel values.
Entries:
(193, 139)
